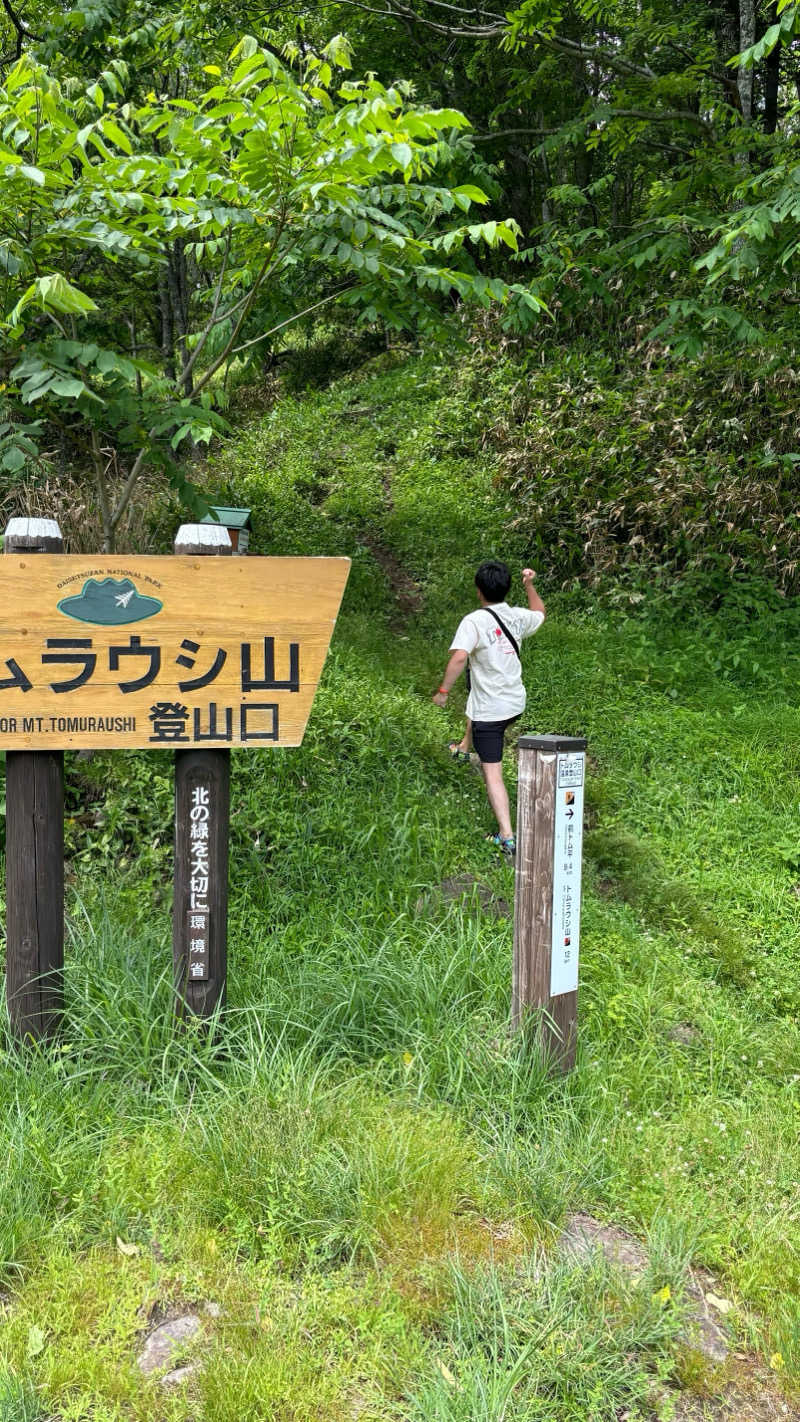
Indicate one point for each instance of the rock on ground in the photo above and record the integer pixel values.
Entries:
(164, 1342)
(584, 1236)
(180, 1375)
(745, 1391)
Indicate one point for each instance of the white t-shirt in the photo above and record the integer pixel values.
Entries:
(497, 690)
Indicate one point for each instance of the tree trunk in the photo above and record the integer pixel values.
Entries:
(727, 35)
(772, 67)
(167, 328)
(101, 484)
(176, 281)
(746, 76)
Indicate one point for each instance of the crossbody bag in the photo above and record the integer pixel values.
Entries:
(503, 628)
(501, 624)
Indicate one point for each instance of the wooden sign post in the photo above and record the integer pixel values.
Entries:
(193, 654)
(200, 910)
(34, 847)
(202, 826)
(548, 891)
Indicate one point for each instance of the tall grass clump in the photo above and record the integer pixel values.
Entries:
(534, 1345)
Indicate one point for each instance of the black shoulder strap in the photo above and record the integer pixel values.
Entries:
(503, 627)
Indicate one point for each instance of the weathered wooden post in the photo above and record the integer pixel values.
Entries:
(202, 822)
(548, 891)
(34, 847)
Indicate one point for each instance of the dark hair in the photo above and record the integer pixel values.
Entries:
(494, 580)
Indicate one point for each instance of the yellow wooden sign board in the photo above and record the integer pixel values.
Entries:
(105, 652)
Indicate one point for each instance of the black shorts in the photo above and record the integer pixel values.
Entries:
(487, 738)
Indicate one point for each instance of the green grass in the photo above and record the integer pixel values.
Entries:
(362, 1167)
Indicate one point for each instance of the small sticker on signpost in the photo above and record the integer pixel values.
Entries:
(570, 771)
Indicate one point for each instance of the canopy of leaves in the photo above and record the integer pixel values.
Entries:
(178, 195)
(145, 245)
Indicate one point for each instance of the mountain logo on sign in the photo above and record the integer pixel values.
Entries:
(110, 603)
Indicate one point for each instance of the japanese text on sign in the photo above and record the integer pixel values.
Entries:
(165, 651)
(199, 900)
(567, 851)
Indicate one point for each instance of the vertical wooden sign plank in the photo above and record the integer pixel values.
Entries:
(34, 854)
(548, 861)
(200, 922)
(202, 827)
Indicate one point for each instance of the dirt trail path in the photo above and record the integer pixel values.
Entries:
(407, 593)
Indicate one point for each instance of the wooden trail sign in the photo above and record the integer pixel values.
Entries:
(547, 899)
(114, 651)
(191, 654)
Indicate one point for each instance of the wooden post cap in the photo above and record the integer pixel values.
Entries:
(32, 535)
(553, 743)
(203, 538)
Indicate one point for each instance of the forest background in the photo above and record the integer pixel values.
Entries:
(419, 283)
(619, 182)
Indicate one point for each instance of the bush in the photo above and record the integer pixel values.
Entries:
(638, 471)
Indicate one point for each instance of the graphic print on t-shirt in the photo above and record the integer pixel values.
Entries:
(497, 691)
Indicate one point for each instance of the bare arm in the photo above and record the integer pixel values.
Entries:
(534, 601)
(453, 670)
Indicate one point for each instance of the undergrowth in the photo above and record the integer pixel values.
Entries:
(360, 1165)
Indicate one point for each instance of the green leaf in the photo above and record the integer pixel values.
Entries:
(786, 27)
(69, 388)
(402, 154)
(247, 47)
(35, 1341)
(13, 460)
(52, 293)
(109, 362)
(470, 193)
(180, 434)
(8, 261)
(114, 133)
(59, 294)
(111, 79)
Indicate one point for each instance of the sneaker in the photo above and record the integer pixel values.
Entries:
(508, 846)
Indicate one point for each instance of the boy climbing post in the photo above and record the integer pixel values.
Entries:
(489, 640)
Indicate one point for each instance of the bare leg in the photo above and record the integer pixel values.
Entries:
(465, 744)
(498, 797)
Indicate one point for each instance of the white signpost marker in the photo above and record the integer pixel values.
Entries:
(567, 849)
(548, 890)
